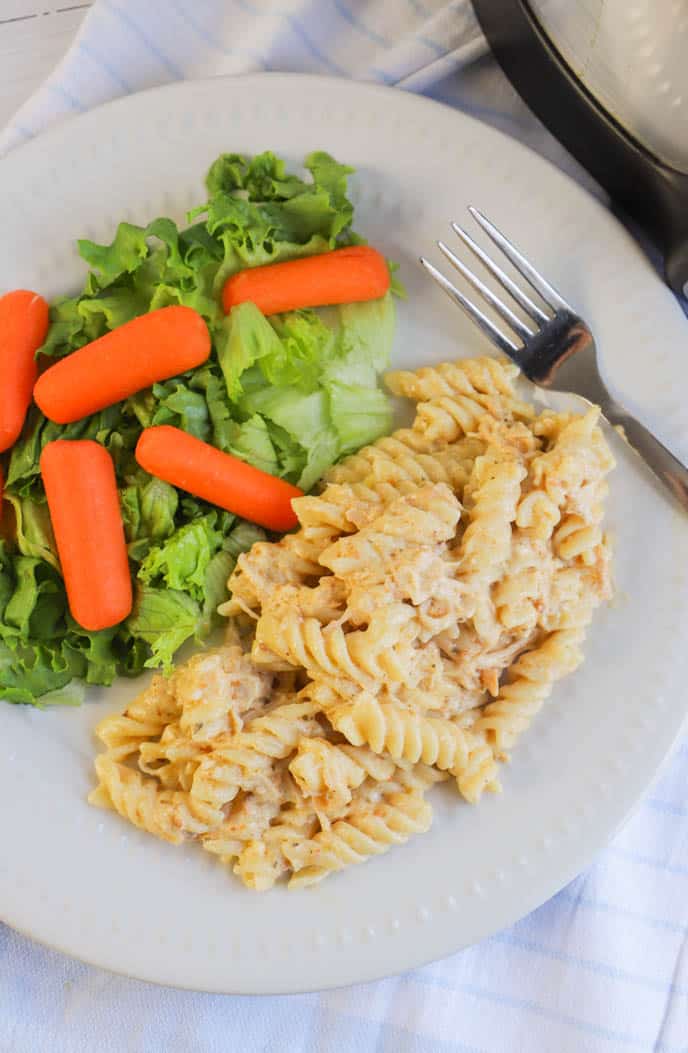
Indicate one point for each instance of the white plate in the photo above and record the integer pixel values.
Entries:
(82, 880)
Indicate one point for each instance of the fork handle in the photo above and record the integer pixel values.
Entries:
(672, 472)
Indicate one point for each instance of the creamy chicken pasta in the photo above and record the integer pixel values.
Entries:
(439, 585)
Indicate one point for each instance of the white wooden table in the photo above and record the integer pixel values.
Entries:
(34, 35)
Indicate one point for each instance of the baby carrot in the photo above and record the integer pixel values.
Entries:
(179, 458)
(23, 325)
(155, 346)
(347, 275)
(79, 480)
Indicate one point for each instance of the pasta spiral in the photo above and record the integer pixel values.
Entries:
(571, 471)
(404, 735)
(362, 656)
(245, 760)
(430, 514)
(577, 538)
(328, 773)
(495, 489)
(538, 514)
(327, 511)
(390, 470)
(215, 688)
(173, 747)
(267, 565)
(446, 419)
(167, 814)
(261, 863)
(480, 771)
(247, 822)
(355, 468)
(530, 683)
(463, 377)
(143, 719)
(391, 822)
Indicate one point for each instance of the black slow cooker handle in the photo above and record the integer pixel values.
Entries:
(653, 194)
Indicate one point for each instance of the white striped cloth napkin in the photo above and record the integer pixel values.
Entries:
(602, 967)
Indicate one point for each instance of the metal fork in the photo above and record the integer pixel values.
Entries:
(558, 351)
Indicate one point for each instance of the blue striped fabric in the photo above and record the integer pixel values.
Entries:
(602, 967)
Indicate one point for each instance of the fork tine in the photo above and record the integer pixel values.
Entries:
(532, 309)
(501, 308)
(548, 293)
(481, 320)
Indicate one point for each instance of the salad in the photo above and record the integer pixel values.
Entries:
(287, 390)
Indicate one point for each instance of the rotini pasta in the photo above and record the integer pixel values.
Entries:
(430, 514)
(215, 688)
(173, 748)
(328, 773)
(377, 653)
(245, 761)
(143, 719)
(168, 814)
(391, 822)
(446, 419)
(530, 683)
(436, 589)
(409, 736)
(267, 565)
(262, 862)
(402, 734)
(355, 468)
(571, 470)
(477, 391)
(538, 514)
(493, 490)
(485, 375)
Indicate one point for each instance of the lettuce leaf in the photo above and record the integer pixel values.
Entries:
(364, 333)
(164, 619)
(183, 408)
(181, 562)
(307, 345)
(215, 588)
(123, 256)
(261, 178)
(246, 337)
(306, 420)
(36, 609)
(96, 650)
(241, 538)
(251, 442)
(359, 414)
(37, 674)
(33, 529)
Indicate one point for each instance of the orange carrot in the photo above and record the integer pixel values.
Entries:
(133, 356)
(347, 275)
(79, 480)
(23, 325)
(179, 458)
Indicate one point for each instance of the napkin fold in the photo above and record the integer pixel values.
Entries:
(600, 968)
(126, 46)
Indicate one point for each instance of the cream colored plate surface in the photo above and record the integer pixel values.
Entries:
(81, 879)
